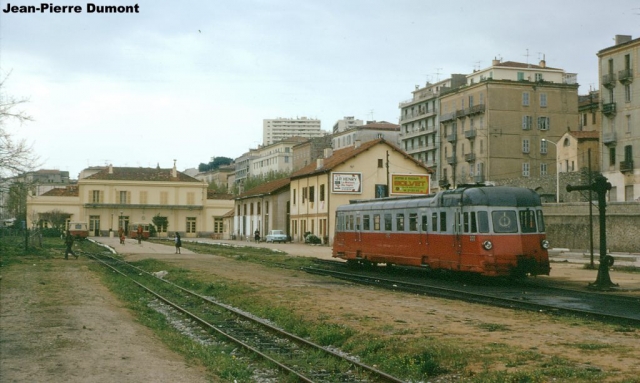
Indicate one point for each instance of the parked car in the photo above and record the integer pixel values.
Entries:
(276, 236)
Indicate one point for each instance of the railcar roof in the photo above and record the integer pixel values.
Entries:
(465, 196)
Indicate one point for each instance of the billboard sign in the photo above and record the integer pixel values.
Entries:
(409, 184)
(346, 183)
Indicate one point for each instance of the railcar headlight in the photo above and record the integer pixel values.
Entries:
(487, 245)
(544, 244)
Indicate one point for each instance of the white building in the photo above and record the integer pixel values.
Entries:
(274, 158)
(373, 130)
(620, 97)
(345, 124)
(274, 130)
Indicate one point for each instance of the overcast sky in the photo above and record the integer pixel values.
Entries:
(190, 80)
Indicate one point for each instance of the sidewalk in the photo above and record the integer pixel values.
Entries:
(584, 256)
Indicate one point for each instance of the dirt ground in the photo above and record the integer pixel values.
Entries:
(58, 323)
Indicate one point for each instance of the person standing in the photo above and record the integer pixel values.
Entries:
(139, 231)
(256, 235)
(178, 243)
(121, 235)
(68, 241)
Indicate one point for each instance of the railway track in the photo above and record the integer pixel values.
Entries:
(296, 357)
(610, 308)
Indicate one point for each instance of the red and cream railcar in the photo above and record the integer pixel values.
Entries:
(492, 231)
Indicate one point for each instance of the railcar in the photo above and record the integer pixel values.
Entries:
(79, 230)
(486, 230)
(133, 230)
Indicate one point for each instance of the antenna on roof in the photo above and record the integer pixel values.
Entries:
(438, 74)
(527, 57)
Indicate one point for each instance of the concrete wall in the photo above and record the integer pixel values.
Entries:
(567, 226)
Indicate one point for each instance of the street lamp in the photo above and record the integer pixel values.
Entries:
(557, 169)
(120, 225)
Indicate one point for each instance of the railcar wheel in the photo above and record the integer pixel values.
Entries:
(352, 263)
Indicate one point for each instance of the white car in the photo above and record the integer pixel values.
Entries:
(276, 236)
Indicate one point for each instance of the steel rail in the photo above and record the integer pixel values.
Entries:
(380, 374)
(471, 297)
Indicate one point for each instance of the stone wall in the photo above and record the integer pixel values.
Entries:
(567, 225)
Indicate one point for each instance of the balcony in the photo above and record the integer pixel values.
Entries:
(626, 166)
(625, 76)
(609, 139)
(609, 109)
(447, 117)
(470, 157)
(609, 80)
(452, 160)
(470, 134)
(476, 109)
(460, 113)
(453, 137)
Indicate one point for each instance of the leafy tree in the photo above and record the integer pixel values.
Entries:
(55, 217)
(254, 181)
(160, 223)
(215, 163)
(16, 156)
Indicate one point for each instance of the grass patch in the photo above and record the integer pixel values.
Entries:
(492, 327)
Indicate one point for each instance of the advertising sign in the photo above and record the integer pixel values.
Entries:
(409, 184)
(346, 183)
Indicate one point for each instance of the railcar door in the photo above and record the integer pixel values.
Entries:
(423, 218)
(457, 235)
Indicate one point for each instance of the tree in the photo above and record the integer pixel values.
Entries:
(16, 156)
(215, 163)
(56, 217)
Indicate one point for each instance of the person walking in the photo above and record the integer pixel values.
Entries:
(121, 235)
(178, 243)
(68, 241)
(139, 232)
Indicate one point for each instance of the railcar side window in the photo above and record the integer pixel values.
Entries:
(376, 222)
(528, 221)
(474, 224)
(366, 222)
(483, 222)
(504, 221)
(443, 221)
(399, 222)
(340, 222)
(424, 223)
(387, 222)
(434, 221)
(413, 221)
(465, 222)
(540, 221)
(349, 222)
(358, 223)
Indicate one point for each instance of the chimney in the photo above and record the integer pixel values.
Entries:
(621, 39)
(328, 152)
(495, 62)
(356, 144)
(174, 171)
(110, 169)
(319, 163)
(543, 63)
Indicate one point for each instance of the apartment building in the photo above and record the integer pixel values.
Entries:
(117, 197)
(620, 106)
(346, 123)
(419, 123)
(274, 130)
(372, 130)
(589, 112)
(492, 127)
(274, 158)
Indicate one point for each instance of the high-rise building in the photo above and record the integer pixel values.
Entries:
(274, 130)
(620, 99)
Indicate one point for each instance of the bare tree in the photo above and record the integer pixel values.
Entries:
(16, 156)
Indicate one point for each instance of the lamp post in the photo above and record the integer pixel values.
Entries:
(120, 224)
(557, 169)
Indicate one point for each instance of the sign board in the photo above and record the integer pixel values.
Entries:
(410, 184)
(346, 183)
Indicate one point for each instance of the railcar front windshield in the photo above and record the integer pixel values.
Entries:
(504, 221)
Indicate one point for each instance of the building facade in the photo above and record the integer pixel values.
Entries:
(419, 120)
(274, 130)
(263, 208)
(308, 151)
(372, 130)
(274, 158)
(346, 123)
(356, 172)
(117, 197)
(493, 127)
(620, 95)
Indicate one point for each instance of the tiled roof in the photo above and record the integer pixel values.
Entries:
(581, 134)
(140, 174)
(69, 191)
(266, 188)
(342, 155)
(212, 194)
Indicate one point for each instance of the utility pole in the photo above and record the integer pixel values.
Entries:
(590, 211)
(601, 186)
